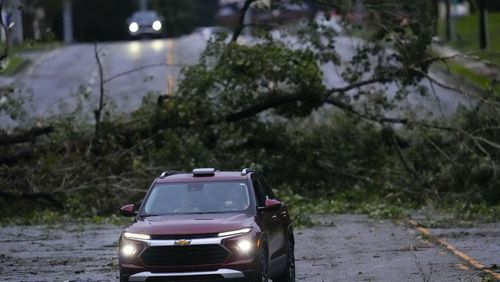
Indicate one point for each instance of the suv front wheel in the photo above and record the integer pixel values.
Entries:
(262, 273)
(289, 274)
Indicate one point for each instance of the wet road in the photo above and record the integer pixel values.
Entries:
(55, 78)
(340, 248)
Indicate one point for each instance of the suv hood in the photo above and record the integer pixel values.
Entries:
(184, 224)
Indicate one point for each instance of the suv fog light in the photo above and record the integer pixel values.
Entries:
(128, 250)
(245, 246)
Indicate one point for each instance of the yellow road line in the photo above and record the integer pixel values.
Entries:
(458, 253)
(170, 61)
(463, 266)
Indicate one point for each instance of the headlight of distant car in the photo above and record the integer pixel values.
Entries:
(157, 25)
(133, 27)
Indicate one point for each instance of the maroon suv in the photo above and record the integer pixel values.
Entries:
(208, 225)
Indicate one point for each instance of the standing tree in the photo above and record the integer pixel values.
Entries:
(483, 25)
(5, 30)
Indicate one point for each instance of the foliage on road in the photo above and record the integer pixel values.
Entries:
(265, 105)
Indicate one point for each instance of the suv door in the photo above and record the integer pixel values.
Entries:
(268, 219)
(280, 220)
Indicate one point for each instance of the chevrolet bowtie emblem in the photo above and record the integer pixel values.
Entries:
(182, 242)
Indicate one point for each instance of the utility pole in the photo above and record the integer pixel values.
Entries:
(359, 8)
(17, 19)
(68, 21)
(483, 25)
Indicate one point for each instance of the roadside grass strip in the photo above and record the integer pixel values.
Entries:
(472, 262)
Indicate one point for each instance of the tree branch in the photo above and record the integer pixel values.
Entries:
(275, 100)
(140, 68)
(27, 136)
(98, 111)
(358, 84)
(25, 153)
(32, 196)
(271, 102)
(241, 23)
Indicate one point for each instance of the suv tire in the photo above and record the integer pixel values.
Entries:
(289, 274)
(262, 272)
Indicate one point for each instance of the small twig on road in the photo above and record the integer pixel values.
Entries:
(425, 277)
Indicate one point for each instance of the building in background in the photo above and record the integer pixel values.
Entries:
(264, 11)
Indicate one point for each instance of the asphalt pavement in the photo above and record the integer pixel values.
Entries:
(339, 248)
(58, 81)
(67, 78)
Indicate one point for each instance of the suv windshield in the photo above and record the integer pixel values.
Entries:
(197, 197)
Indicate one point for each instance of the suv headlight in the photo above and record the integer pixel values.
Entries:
(234, 233)
(138, 236)
(128, 250)
(245, 246)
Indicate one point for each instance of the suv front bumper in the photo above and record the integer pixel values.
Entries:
(221, 274)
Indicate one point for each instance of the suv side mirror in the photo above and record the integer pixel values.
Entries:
(128, 210)
(272, 204)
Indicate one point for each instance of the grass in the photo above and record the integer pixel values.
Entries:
(451, 212)
(479, 80)
(467, 37)
(48, 217)
(14, 64)
(454, 212)
(467, 41)
(29, 46)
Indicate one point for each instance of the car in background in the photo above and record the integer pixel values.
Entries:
(208, 225)
(145, 23)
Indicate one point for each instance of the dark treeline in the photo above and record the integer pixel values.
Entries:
(97, 20)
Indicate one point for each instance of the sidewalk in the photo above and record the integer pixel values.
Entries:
(470, 62)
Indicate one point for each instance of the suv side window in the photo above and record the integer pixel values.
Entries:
(266, 188)
(259, 194)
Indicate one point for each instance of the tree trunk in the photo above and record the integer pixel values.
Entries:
(449, 22)
(483, 25)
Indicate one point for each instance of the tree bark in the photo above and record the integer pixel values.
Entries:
(483, 25)
(27, 136)
(449, 22)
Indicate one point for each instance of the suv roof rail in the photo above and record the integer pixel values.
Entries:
(246, 170)
(168, 173)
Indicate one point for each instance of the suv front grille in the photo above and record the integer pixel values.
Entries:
(189, 236)
(184, 255)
